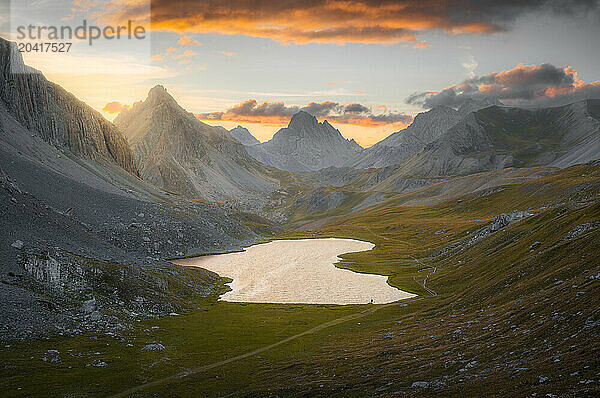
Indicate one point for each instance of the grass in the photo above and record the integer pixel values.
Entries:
(213, 331)
(504, 318)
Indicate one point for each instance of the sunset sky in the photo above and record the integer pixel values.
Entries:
(366, 66)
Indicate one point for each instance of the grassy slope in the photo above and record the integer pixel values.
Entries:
(503, 316)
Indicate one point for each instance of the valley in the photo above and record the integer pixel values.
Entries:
(491, 317)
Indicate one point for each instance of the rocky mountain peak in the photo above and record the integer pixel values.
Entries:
(305, 145)
(159, 95)
(303, 120)
(243, 136)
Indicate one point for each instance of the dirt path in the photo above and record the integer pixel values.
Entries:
(430, 291)
(204, 368)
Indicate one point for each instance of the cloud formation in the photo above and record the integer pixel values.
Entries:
(342, 21)
(114, 107)
(523, 85)
(251, 111)
(188, 41)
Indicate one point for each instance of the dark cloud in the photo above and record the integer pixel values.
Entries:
(342, 21)
(355, 108)
(524, 85)
(322, 108)
(278, 113)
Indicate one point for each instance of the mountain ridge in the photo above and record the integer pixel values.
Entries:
(243, 136)
(498, 136)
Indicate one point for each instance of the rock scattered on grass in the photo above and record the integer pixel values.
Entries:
(420, 384)
(154, 347)
(18, 244)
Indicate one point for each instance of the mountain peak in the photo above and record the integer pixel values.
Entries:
(243, 136)
(302, 119)
(158, 91)
(159, 94)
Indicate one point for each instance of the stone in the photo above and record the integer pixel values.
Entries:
(89, 306)
(95, 316)
(154, 347)
(420, 384)
(18, 244)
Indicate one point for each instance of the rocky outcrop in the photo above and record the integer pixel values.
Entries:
(305, 145)
(46, 109)
(501, 221)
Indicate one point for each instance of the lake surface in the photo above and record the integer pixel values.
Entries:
(298, 271)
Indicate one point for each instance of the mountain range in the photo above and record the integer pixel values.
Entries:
(81, 194)
(498, 137)
(177, 152)
(305, 145)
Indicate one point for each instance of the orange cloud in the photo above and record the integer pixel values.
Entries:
(333, 21)
(529, 85)
(114, 107)
(277, 113)
(422, 44)
(227, 53)
(186, 54)
(188, 41)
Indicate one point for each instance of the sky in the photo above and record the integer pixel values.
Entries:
(366, 66)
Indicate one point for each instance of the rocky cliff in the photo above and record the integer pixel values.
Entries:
(62, 120)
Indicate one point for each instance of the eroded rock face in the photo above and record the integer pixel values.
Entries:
(46, 109)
